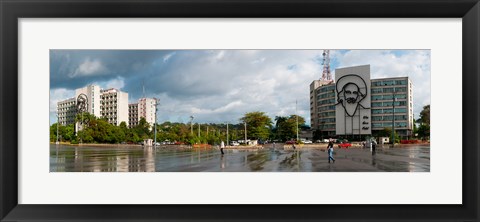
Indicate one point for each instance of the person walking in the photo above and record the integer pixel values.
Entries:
(222, 145)
(374, 145)
(330, 152)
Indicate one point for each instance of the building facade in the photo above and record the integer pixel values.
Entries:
(92, 93)
(352, 107)
(133, 115)
(111, 104)
(322, 107)
(376, 111)
(66, 111)
(114, 106)
(393, 98)
(146, 108)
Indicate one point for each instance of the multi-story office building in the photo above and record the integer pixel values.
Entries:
(66, 111)
(114, 106)
(392, 97)
(111, 104)
(322, 107)
(144, 108)
(92, 93)
(133, 115)
(324, 101)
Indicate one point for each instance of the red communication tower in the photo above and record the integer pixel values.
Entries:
(326, 75)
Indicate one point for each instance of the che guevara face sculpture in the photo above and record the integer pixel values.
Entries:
(350, 94)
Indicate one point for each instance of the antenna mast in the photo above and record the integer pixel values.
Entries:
(326, 75)
(143, 86)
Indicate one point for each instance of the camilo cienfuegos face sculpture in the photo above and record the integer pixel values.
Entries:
(351, 90)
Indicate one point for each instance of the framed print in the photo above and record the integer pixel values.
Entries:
(228, 110)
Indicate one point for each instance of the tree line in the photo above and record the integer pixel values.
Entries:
(258, 125)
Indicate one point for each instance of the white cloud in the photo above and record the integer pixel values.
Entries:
(57, 95)
(207, 82)
(117, 83)
(168, 56)
(383, 63)
(222, 85)
(89, 67)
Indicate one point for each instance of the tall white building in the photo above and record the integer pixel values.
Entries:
(111, 104)
(93, 98)
(66, 111)
(133, 115)
(388, 93)
(144, 108)
(377, 110)
(114, 106)
(322, 107)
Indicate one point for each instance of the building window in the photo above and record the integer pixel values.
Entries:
(401, 89)
(387, 90)
(388, 110)
(377, 90)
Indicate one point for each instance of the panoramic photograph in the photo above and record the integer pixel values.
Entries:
(278, 110)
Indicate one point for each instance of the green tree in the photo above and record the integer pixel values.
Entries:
(387, 132)
(258, 125)
(425, 115)
(286, 127)
(53, 132)
(68, 133)
(424, 129)
(142, 129)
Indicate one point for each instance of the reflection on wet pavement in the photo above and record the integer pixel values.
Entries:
(64, 158)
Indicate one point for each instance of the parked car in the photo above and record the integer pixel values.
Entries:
(344, 145)
(307, 141)
(234, 143)
(291, 142)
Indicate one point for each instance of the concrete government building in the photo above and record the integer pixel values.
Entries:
(111, 104)
(354, 105)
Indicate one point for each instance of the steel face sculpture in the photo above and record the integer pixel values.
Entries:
(353, 101)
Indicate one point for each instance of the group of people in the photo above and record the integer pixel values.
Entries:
(329, 149)
(373, 145)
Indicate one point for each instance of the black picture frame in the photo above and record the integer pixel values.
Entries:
(11, 11)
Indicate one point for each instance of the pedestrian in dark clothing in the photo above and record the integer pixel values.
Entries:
(330, 152)
(374, 144)
(222, 145)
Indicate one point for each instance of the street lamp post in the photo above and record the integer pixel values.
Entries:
(191, 125)
(296, 115)
(393, 118)
(157, 102)
(57, 126)
(245, 133)
(81, 137)
(227, 134)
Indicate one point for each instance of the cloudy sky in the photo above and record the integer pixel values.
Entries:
(222, 85)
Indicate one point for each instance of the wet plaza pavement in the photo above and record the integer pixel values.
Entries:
(65, 158)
